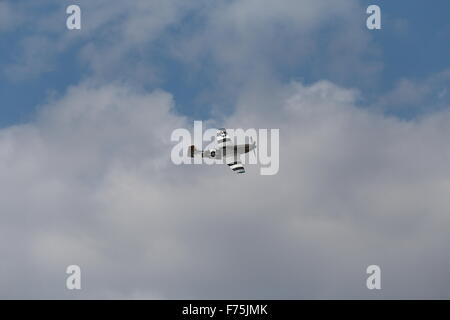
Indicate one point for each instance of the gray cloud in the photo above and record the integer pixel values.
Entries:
(419, 95)
(90, 182)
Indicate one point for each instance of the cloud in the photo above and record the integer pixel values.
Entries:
(9, 17)
(34, 59)
(248, 43)
(110, 34)
(56, 165)
(231, 43)
(417, 96)
(90, 182)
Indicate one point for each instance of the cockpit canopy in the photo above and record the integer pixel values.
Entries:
(222, 132)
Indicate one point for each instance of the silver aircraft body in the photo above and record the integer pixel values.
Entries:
(226, 150)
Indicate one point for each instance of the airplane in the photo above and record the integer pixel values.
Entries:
(225, 150)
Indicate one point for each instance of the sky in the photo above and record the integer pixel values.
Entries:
(86, 178)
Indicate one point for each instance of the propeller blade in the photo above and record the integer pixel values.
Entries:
(254, 143)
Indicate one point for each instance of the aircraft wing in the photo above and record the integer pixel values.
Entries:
(223, 140)
(235, 164)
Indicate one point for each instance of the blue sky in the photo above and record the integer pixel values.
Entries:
(413, 44)
(422, 48)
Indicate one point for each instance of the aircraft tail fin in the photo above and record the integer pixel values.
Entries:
(193, 151)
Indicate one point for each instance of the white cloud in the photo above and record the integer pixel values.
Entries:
(90, 182)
